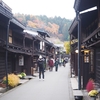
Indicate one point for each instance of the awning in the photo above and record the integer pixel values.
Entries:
(18, 51)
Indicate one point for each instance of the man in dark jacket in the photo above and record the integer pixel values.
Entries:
(41, 66)
(56, 64)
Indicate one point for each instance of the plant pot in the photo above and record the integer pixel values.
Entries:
(2, 85)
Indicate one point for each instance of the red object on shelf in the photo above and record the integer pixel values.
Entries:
(90, 85)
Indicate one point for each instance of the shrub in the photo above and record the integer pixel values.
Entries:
(22, 75)
(13, 80)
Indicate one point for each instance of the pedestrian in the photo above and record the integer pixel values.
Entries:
(40, 63)
(51, 64)
(56, 64)
(60, 62)
(47, 66)
(64, 62)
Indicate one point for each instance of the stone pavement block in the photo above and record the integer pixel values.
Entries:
(77, 93)
(23, 81)
(85, 95)
(29, 77)
(2, 90)
(74, 83)
(0, 93)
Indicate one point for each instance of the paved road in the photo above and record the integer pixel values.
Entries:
(56, 86)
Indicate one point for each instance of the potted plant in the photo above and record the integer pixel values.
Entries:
(22, 75)
(13, 80)
(2, 85)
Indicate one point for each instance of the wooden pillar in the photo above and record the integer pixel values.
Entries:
(76, 64)
(6, 60)
(98, 6)
(23, 41)
(79, 49)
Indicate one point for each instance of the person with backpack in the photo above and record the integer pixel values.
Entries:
(40, 63)
(51, 64)
(56, 64)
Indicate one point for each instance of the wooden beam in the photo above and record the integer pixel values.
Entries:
(92, 39)
(96, 36)
(94, 43)
(98, 33)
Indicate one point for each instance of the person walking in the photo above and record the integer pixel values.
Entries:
(56, 64)
(51, 64)
(40, 63)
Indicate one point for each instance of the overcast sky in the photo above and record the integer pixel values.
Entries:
(50, 8)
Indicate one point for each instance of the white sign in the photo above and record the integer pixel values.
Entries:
(21, 60)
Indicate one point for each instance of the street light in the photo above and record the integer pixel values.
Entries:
(76, 51)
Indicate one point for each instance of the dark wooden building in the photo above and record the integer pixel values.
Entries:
(87, 24)
(5, 17)
(18, 49)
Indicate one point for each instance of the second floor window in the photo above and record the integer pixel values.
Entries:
(10, 36)
(42, 46)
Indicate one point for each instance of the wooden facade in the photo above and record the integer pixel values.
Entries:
(18, 49)
(43, 47)
(90, 38)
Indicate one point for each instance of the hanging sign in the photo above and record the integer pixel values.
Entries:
(21, 60)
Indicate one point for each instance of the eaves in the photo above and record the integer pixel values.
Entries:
(73, 25)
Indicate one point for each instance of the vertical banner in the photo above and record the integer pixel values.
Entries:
(21, 60)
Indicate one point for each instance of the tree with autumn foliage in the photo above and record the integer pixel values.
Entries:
(55, 26)
(67, 47)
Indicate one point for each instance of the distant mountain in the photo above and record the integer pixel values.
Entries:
(57, 27)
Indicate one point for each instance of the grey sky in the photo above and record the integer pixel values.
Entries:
(50, 8)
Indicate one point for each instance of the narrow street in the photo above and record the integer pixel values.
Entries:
(56, 86)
